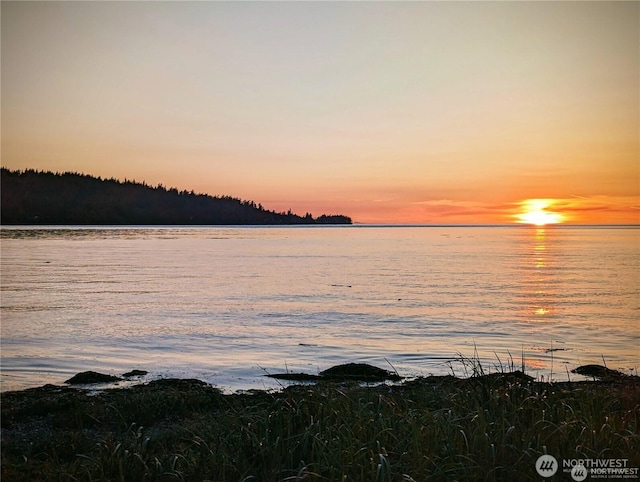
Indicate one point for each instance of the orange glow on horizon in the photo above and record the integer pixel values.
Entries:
(535, 211)
(409, 210)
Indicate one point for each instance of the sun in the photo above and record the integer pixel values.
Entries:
(535, 211)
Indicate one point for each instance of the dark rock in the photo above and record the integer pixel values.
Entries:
(91, 377)
(431, 380)
(350, 371)
(299, 377)
(177, 383)
(599, 372)
(358, 371)
(134, 373)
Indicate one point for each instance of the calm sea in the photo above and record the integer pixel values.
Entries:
(229, 304)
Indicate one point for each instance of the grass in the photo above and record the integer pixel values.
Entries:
(488, 427)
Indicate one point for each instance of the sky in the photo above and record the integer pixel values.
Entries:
(389, 112)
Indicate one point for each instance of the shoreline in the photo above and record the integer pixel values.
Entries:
(489, 427)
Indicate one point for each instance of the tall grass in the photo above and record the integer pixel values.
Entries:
(440, 428)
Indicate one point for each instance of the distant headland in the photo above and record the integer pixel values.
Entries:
(42, 197)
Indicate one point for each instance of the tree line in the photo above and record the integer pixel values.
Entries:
(44, 197)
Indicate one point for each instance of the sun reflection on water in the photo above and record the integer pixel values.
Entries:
(541, 297)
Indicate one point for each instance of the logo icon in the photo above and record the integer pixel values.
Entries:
(547, 465)
(579, 473)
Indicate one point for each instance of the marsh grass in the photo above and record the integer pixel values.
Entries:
(486, 427)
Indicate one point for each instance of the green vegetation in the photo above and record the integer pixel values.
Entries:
(37, 197)
(490, 427)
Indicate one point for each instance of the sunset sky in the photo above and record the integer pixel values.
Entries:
(395, 112)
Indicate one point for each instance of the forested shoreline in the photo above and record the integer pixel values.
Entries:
(43, 197)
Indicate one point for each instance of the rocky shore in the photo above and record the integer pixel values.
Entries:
(490, 427)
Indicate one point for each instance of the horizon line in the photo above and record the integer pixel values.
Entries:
(320, 226)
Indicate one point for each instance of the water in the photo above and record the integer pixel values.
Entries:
(229, 304)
